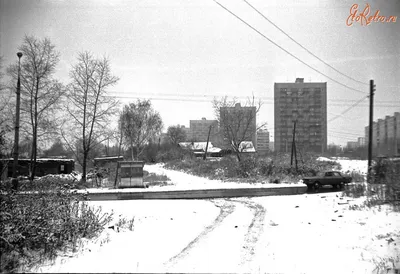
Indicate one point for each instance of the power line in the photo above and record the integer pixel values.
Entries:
(347, 134)
(204, 100)
(302, 45)
(340, 137)
(291, 54)
(349, 108)
(331, 102)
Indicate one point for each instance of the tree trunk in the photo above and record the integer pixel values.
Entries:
(119, 153)
(238, 155)
(132, 154)
(35, 126)
(85, 155)
(34, 145)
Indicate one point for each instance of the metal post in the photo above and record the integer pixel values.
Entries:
(16, 137)
(371, 114)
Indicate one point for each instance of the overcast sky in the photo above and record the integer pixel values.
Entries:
(182, 53)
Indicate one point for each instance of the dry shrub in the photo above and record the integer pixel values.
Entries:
(34, 227)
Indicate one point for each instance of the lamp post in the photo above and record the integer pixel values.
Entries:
(16, 137)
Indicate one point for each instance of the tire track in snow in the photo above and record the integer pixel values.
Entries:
(225, 210)
(254, 230)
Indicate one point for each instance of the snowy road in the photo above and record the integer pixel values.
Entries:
(314, 233)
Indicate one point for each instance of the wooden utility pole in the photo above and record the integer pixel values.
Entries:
(295, 149)
(371, 118)
(208, 139)
(293, 145)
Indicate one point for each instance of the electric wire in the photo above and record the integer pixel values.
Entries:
(160, 97)
(345, 75)
(291, 54)
(348, 109)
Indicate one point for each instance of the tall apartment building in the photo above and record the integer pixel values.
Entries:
(199, 130)
(262, 141)
(361, 141)
(305, 103)
(239, 120)
(385, 136)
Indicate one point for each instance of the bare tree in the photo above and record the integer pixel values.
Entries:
(176, 134)
(89, 108)
(237, 123)
(40, 93)
(140, 123)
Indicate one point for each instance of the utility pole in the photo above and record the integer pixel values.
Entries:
(371, 115)
(293, 144)
(16, 136)
(208, 139)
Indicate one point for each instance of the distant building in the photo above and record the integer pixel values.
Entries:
(385, 136)
(352, 145)
(44, 166)
(305, 103)
(271, 146)
(187, 131)
(198, 131)
(241, 121)
(262, 141)
(361, 141)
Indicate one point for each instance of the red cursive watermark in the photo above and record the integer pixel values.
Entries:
(364, 17)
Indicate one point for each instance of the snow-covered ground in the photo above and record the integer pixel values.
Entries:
(360, 166)
(310, 233)
(347, 165)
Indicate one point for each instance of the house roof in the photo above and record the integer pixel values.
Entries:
(39, 160)
(247, 146)
(200, 146)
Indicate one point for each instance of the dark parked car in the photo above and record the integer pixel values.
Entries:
(333, 178)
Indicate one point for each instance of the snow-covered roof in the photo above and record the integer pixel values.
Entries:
(247, 146)
(43, 160)
(196, 145)
(109, 158)
(213, 150)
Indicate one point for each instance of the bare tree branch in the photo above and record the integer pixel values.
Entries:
(88, 106)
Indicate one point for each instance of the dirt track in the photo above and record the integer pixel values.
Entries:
(211, 239)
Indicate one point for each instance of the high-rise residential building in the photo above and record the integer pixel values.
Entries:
(271, 146)
(262, 140)
(385, 136)
(238, 122)
(361, 141)
(199, 130)
(305, 103)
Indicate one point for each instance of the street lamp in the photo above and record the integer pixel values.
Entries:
(16, 137)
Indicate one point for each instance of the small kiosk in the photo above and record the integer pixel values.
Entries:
(130, 174)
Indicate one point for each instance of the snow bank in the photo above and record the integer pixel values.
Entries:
(323, 159)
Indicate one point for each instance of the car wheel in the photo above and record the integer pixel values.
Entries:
(317, 186)
(341, 186)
